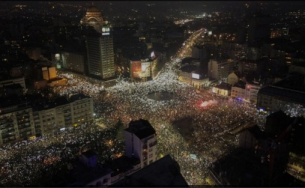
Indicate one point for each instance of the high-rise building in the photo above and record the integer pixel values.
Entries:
(141, 142)
(100, 54)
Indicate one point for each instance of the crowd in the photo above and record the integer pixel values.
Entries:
(25, 163)
(207, 136)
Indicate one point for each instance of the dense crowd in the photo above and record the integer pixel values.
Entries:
(206, 136)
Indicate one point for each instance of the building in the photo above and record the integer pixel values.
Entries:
(48, 73)
(191, 74)
(93, 18)
(12, 81)
(271, 98)
(254, 53)
(100, 54)
(251, 92)
(163, 172)
(278, 32)
(85, 171)
(16, 120)
(27, 116)
(199, 52)
(13, 89)
(285, 92)
(141, 142)
(238, 90)
(220, 68)
(73, 61)
(222, 89)
(122, 167)
(247, 66)
(238, 168)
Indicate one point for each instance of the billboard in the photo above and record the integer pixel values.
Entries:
(196, 76)
(145, 67)
(140, 69)
(136, 69)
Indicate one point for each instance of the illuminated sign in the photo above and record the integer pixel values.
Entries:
(145, 67)
(196, 76)
(136, 69)
(140, 69)
(105, 31)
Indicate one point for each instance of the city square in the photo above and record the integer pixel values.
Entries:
(152, 94)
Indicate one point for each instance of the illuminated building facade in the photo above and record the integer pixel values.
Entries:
(141, 142)
(16, 123)
(100, 54)
(25, 120)
(93, 18)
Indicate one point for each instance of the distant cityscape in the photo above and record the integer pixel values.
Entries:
(152, 93)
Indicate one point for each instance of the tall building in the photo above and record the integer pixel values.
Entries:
(141, 142)
(99, 45)
(100, 54)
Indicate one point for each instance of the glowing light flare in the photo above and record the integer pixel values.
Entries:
(204, 104)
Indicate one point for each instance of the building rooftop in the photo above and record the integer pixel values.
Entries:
(141, 128)
(81, 175)
(44, 103)
(12, 86)
(284, 93)
(163, 172)
(240, 168)
(240, 84)
(224, 85)
(77, 97)
(122, 164)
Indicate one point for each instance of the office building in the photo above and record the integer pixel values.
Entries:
(100, 54)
